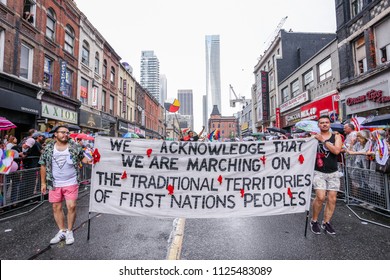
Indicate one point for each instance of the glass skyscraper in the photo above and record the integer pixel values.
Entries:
(185, 97)
(213, 76)
(150, 73)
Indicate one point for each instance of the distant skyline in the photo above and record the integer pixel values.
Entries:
(176, 29)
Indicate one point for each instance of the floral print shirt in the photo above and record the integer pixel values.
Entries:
(76, 152)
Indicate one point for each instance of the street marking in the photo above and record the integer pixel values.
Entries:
(176, 237)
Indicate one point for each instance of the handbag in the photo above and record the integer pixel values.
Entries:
(383, 168)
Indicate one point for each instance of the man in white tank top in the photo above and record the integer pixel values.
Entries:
(60, 175)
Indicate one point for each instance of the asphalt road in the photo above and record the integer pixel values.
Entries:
(27, 236)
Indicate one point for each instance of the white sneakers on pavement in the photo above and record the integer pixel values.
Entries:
(69, 237)
(63, 235)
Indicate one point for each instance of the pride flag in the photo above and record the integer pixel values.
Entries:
(215, 135)
(6, 159)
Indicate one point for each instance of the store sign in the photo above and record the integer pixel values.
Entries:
(94, 96)
(315, 109)
(278, 117)
(372, 97)
(124, 96)
(295, 101)
(63, 75)
(291, 118)
(59, 113)
(265, 95)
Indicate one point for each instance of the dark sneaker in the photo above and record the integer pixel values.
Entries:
(328, 228)
(315, 227)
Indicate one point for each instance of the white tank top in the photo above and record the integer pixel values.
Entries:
(64, 173)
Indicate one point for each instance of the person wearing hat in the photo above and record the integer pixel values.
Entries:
(60, 175)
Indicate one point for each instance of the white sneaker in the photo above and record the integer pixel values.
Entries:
(58, 237)
(69, 237)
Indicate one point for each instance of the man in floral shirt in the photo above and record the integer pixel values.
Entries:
(60, 163)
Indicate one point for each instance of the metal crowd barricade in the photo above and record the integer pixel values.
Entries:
(85, 176)
(368, 186)
(20, 186)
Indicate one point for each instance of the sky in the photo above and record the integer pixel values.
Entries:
(175, 30)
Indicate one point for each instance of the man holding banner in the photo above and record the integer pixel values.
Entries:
(326, 180)
(60, 163)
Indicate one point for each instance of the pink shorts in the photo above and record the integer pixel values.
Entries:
(69, 193)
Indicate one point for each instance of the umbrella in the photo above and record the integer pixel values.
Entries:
(6, 124)
(277, 129)
(130, 135)
(82, 136)
(337, 127)
(308, 125)
(377, 120)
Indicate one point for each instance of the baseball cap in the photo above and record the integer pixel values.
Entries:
(37, 134)
(30, 142)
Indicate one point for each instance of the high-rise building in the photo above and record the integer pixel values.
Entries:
(185, 97)
(213, 77)
(163, 89)
(150, 73)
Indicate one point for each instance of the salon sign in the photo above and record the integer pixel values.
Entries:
(59, 113)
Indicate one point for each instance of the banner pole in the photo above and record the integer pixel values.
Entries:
(89, 225)
(307, 221)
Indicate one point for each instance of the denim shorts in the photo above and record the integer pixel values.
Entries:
(326, 181)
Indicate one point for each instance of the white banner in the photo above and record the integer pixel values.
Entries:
(202, 180)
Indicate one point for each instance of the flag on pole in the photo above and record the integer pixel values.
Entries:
(214, 135)
(172, 107)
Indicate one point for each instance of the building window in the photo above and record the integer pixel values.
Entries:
(84, 91)
(103, 100)
(69, 39)
(2, 35)
(295, 88)
(29, 10)
(382, 39)
(325, 69)
(308, 80)
(112, 76)
(48, 73)
(271, 80)
(285, 95)
(384, 52)
(68, 83)
(26, 62)
(111, 105)
(356, 7)
(360, 56)
(50, 24)
(105, 69)
(97, 63)
(120, 83)
(272, 105)
(85, 53)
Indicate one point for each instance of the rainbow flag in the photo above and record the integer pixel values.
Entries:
(6, 159)
(215, 135)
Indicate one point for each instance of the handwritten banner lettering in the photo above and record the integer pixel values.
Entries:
(202, 179)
